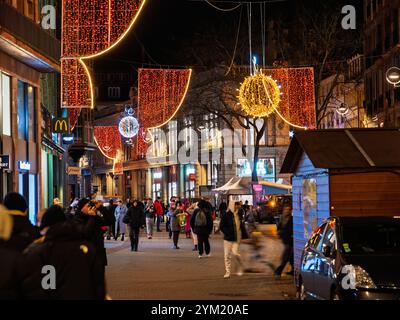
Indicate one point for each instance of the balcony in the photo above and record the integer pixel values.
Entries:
(33, 45)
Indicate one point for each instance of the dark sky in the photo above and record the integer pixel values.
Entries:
(192, 33)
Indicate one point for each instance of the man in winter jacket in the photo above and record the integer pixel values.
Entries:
(120, 212)
(159, 212)
(201, 223)
(136, 220)
(78, 275)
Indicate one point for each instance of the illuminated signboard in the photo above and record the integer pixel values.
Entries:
(265, 168)
(24, 165)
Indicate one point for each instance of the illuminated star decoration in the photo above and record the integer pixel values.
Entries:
(108, 139)
(90, 28)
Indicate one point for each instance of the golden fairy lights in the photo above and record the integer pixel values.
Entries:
(161, 93)
(90, 28)
(259, 95)
(108, 140)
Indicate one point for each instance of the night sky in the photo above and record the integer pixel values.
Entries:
(183, 33)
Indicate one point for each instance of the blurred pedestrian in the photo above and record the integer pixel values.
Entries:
(78, 275)
(23, 233)
(175, 226)
(234, 231)
(202, 225)
(111, 228)
(285, 231)
(120, 212)
(135, 218)
(191, 210)
(159, 212)
(150, 213)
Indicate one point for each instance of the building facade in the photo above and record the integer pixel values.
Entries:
(27, 52)
(381, 49)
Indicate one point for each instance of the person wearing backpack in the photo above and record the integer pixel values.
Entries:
(202, 225)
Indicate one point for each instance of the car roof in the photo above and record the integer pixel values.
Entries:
(364, 219)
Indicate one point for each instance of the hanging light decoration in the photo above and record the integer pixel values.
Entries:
(161, 93)
(108, 139)
(297, 100)
(90, 28)
(259, 95)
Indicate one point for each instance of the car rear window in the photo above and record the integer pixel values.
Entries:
(371, 238)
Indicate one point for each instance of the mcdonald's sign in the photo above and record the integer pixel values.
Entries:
(61, 125)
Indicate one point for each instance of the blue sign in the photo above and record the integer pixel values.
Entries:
(5, 162)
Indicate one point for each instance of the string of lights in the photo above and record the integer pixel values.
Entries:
(108, 139)
(223, 9)
(161, 93)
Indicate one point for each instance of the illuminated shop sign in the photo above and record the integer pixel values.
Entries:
(24, 165)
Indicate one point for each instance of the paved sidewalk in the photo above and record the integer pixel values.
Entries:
(157, 272)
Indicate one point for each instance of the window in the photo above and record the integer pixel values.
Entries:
(329, 238)
(114, 92)
(265, 168)
(31, 116)
(5, 103)
(316, 239)
(22, 111)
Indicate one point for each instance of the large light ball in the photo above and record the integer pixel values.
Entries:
(393, 76)
(128, 127)
(259, 95)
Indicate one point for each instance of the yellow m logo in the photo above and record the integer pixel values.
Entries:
(61, 126)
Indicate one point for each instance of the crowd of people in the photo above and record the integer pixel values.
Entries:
(70, 241)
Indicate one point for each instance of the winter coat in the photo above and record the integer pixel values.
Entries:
(188, 228)
(207, 229)
(10, 273)
(228, 227)
(111, 209)
(150, 212)
(158, 207)
(285, 227)
(136, 217)
(79, 274)
(175, 226)
(23, 234)
(93, 229)
(120, 212)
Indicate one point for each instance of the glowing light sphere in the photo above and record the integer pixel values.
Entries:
(128, 127)
(259, 95)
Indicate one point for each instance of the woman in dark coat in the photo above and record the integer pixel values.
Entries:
(201, 228)
(136, 219)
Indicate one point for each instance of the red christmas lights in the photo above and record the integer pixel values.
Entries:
(297, 105)
(160, 95)
(108, 139)
(73, 117)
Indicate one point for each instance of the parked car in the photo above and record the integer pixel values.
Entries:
(271, 210)
(352, 258)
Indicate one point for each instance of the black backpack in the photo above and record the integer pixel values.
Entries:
(201, 219)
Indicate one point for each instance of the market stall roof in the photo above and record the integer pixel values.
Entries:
(236, 186)
(345, 149)
(225, 186)
(276, 185)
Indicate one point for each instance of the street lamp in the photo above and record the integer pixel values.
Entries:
(393, 76)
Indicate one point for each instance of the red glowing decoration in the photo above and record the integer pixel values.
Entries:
(73, 117)
(160, 95)
(108, 139)
(297, 105)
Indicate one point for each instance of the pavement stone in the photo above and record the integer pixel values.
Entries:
(158, 272)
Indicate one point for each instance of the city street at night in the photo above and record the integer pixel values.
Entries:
(200, 158)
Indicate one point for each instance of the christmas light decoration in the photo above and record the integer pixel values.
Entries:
(128, 125)
(73, 117)
(161, 93)
(259, 95)
(76, 84)
(108, 139)
(93, 27)
(297, 101)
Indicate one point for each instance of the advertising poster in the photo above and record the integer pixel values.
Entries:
(309, 206)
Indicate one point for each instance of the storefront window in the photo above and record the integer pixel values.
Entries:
(22, 110)
(5, 103)
(265, 168)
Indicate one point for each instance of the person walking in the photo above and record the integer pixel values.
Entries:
(202, 225)
(234, 231)
(135, 218)
(191, 210)
(159, 212)
(174, 224)
(170, 212)
(150, 213)
(120, 227)
(285, 231)
(111, 228)
(23, 232)
(78, 275)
